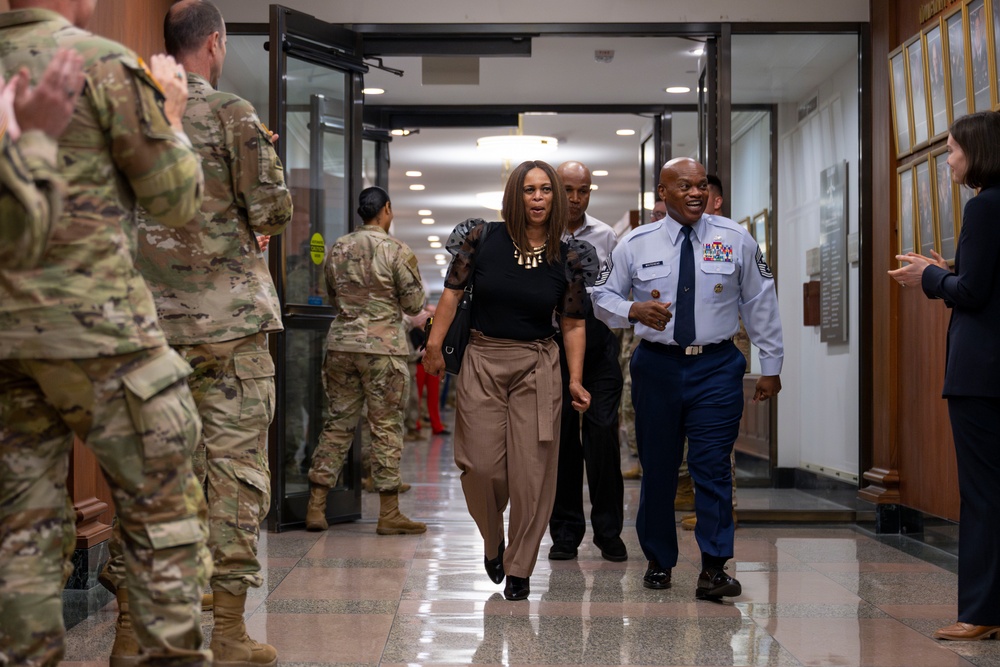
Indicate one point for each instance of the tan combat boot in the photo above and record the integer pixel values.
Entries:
(369, 485)
(231, 645)
(125, 651)
(316, 510)
(393, 522)
(684, 500)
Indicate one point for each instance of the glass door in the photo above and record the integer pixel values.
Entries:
(316, 102)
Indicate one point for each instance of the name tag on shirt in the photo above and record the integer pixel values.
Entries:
(649, 264)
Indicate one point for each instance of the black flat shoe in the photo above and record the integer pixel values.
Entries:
(714, 584)
(517, 588)
(656, 577)
(562, 552)
(612, 549)
(494, 567)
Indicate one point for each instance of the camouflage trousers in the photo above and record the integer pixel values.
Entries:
(135, 412)
(351, 379)
(233, 389)
(626, 416)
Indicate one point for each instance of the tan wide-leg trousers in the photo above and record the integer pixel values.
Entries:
(509, 401)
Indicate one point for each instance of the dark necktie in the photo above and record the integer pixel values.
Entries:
(684, 315)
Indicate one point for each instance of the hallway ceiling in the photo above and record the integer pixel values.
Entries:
(561, 71)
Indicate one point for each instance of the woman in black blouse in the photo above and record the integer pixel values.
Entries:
(972, 368)
(509, 390)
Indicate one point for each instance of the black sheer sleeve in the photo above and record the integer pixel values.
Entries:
(462, 245)
(581, 272)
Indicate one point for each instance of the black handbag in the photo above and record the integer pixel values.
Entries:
(456, 339)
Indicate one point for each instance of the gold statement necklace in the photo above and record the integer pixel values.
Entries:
(528, 260)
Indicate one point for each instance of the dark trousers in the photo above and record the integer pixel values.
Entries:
(598, 451)
(700, 397)
(975, 424)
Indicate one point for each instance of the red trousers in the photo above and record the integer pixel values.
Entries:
(433, 385)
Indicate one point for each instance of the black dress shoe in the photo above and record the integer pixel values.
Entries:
(714, 583)
(494, 567)
(517, 588)
(612, 549)
(562, 552)
(656, 577)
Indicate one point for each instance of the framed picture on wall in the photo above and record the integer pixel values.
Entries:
(994, 13)
(978, 46)
(761, 233)
(745, 223)
(945, 195)
(925, 240)
(904, 205)
(954, 36)
(900, 102)
(937, 87)
(914, 48)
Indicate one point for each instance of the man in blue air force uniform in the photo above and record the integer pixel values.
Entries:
(691, 277)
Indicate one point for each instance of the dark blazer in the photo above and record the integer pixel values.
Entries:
(972, 292)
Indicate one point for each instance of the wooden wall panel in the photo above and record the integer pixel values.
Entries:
(912, 445)
(137, 25)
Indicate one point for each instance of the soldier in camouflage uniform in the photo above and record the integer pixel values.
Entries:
(81, 354)
(216, 303)
(372, 279)
(31, 189)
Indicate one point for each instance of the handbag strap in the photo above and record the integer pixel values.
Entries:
(487, 228)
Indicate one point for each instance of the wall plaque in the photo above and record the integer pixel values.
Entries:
(833, 254)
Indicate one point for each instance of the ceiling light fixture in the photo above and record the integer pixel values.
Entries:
(436, 244)
(491, 200)
(427, 221)
(416, 186)
(415, 174)
(399, 133)
(593, 186)
(517, 146)
(433, 238)
(441, 262)
(625, 133)
(600, 172)
(424, 211)
(373, 91)
(439, 256)
(678, 89)
(697, 51)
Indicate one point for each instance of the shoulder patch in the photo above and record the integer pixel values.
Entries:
(605, 273)
(765, 270)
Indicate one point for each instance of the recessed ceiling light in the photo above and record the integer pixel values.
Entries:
(678, 89)
(373, 91)
(593, 187)
(436, 244)
(600, 172)
(427, 221)
(424, 211)
(416, 186)
(415, 174)
(441, 262)
(625, 133)
(440, 256)
(397, 133)
(697, 51)
(433, 238)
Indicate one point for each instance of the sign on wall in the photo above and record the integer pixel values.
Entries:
(833, 254)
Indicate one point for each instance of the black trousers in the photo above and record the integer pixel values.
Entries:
(598, 450)
(975, 424)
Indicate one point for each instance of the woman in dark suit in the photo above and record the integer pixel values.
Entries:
(972, 369)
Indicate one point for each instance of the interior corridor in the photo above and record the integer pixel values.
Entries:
(812, 595)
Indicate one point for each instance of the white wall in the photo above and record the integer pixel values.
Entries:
(558, 11)
(818, 406)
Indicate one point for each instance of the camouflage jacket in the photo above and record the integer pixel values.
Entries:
(372, 279)
(209, 278)
(30, 198)
(86, 298)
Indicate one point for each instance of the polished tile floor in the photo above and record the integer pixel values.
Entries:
(812, 595)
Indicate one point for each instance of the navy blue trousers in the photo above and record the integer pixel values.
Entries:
(700, 397)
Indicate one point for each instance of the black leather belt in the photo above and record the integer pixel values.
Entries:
(689, 351)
